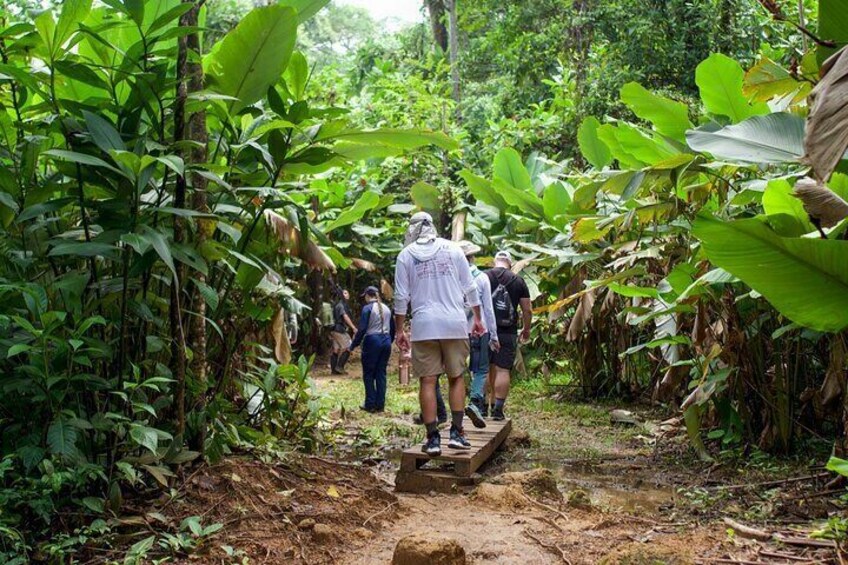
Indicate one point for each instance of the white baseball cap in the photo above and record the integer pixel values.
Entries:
(504, 256)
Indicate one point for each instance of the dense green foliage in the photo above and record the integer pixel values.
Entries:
(172, 221)
(152, 234)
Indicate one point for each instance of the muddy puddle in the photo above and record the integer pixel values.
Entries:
(619, 485)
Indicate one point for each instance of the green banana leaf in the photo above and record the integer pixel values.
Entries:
(252, 56)
(806, 279)
(775, 138)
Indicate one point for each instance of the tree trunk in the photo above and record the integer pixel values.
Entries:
(454, 56)
(196, 133)
(436, 9)
(178, 352)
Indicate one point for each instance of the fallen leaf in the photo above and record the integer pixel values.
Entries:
(333, 491)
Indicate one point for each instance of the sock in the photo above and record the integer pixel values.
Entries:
(499, 403)
(432, 428)
(456, 419)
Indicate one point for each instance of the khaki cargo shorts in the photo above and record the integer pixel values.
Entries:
(341, 341)
(436, 356)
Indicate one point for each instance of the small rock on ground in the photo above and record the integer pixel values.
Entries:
(306, 524)
(322, 533)
(421, 549)
(624, 417)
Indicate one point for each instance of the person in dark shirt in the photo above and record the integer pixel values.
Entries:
(340, 336)
(509, 294)
(376, 333)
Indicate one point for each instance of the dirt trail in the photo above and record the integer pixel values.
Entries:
(632, 493)
(488, 535)
(619, 517)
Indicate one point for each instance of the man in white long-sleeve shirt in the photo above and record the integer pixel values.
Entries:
(433, 277)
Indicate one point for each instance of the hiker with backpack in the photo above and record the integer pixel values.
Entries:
(376, 333)
(433, 278)
(481, 346)
(509, 292)
(340, 334)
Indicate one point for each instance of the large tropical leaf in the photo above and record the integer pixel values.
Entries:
(632, 148)
(786, 212)
(62, 438)
(593, 149)
(806, 279)
(398, 138)
(668, 117)
(55, 34)
(305, 8)
(556, 201)
(833, 24)
(253, 55)
(425, 195)
(719, 79)
(767, 80)
(368, 201)
(775, 138)
(509, 168)
(483, 190)
(827, 123)
(524, 200)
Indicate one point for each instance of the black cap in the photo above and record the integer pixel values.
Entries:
(370, 291)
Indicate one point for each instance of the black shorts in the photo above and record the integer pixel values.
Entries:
(505, 357)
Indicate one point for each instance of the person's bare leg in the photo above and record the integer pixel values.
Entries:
(456, 394)
(427, 398)
(490, 383)
(501, 383)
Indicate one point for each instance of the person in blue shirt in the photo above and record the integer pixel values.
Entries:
(376, 333)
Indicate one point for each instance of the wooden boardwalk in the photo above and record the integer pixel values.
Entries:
(421, 473)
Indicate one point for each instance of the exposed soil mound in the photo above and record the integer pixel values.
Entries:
(501, 496)
(540, 483)
(423, 549)
(299, 512)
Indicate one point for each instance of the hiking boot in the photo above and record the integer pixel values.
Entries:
(433, 445)
(498, 414)
(475, 416)
(369, 410)
(480, 403)
(458, 439)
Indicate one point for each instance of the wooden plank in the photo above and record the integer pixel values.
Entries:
(438, 481)
(484, 442)
(483, 454)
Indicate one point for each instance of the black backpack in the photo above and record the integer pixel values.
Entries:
(505, 314)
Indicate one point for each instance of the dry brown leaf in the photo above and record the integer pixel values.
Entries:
(386, 290)
(289, 236)
(282, 347)
(458, 226)
(826, 137)
(521, 265)
(581, 316)
(573, 286)
(834, 379)
(364, 265)
(820, 202)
